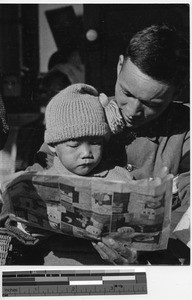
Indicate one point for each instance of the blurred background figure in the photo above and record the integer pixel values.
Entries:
(68, 63)
(30, 136)
(67, 31)
(27, 88)
(65, 66)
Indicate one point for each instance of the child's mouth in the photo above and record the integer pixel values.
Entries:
(86, 165)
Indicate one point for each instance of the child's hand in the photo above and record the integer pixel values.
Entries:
(114, 252)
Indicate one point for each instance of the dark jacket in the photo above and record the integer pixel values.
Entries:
(163, 142)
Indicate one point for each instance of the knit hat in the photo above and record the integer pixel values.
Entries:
(75, 112)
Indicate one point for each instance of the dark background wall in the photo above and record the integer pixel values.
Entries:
(115, 24)
(101, 37)
(19, 54)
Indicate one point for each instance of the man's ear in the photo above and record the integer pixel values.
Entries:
(52, 149)
(120, 64)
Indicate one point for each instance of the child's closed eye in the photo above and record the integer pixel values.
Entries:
(73, 144)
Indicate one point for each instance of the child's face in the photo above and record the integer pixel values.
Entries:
(80, 156)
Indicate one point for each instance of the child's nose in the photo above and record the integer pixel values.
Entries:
(86, 151)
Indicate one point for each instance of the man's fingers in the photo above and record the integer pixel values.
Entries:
(111, 253)
(121, 261)
(103, 99)
(110, 242)
(115, 252)
(129, 254)
(100, 251)
(105, 252)
(113, 244)
(163, 172)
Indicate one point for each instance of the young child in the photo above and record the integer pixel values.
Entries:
(76, 132)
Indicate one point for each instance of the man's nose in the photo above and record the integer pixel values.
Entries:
(135, 108)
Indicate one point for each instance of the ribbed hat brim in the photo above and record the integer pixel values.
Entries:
(65, 133)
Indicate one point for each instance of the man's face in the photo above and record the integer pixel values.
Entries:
(80, 156)
(139, 97)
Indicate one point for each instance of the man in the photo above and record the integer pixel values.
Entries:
(153, 128)
(150, 128)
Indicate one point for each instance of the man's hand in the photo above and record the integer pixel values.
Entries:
(115, 252)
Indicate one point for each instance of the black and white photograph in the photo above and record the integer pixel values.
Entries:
(94, 134)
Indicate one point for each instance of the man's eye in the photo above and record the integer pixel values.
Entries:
(145, 103)
(127, 94)
(151, 104)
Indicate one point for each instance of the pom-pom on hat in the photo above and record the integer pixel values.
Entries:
(73, 113)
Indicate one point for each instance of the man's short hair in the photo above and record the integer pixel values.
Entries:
(160, 52)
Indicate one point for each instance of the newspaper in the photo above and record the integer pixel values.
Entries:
(136, 213)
